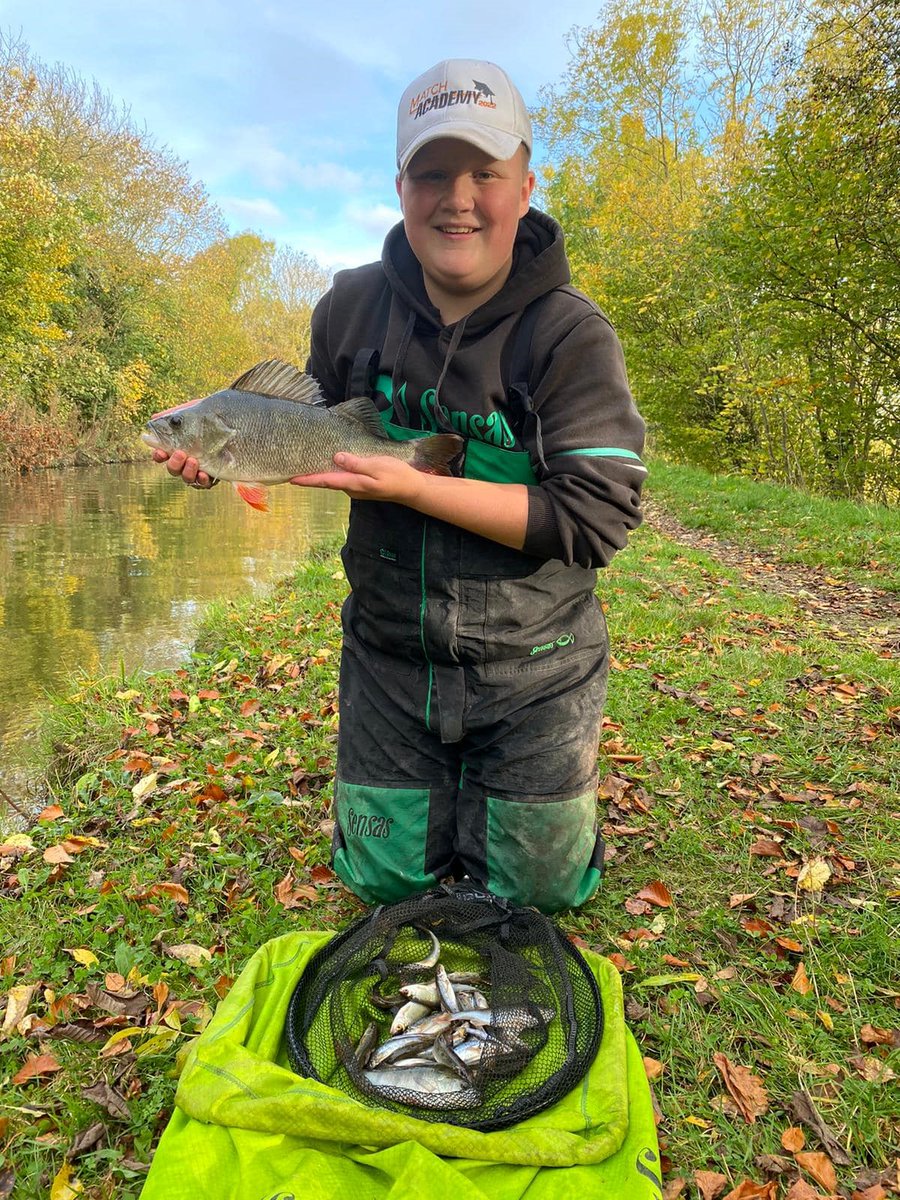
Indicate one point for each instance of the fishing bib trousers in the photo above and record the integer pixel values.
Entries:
(472, 684)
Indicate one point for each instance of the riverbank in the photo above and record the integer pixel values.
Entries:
(748, 798)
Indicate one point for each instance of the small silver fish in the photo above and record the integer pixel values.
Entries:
(430, 960)
(425, 993)
(445, 1056)
(426, 1086)
(367, 1042)
(397, 1046)
(411, 1012)
(445, 990)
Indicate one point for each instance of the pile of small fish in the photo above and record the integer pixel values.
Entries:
(441, 1031)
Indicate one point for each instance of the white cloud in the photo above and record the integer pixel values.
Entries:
(259, 211)
(374, 219)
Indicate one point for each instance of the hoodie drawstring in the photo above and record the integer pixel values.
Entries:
(402, 418)
(440, 413)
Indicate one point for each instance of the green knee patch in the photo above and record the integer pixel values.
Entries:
(539, 851)
(380, 853)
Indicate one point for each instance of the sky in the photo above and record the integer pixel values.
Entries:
(287, 111)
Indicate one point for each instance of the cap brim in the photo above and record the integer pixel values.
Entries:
(500, 146)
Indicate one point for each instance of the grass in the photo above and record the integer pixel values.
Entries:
(859, 542)
(741, 744)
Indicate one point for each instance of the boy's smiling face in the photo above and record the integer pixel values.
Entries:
(461, 211)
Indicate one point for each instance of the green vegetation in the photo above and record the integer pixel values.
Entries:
(121, 291)
(727, 175)
(748, 797)
(860, 542)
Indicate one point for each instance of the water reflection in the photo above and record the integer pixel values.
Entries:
(109, 567)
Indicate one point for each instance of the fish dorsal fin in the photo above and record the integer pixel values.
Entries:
(362, 410)
(280, 380)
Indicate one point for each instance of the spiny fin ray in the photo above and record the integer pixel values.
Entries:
(280, 380)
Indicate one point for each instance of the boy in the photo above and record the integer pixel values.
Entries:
(475, 654)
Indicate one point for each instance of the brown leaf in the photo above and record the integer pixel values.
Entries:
(766, 848)
(50, 813)
(870, 1035)
(674, 1188)
(321, 875)
(801, 981)
(107, 1097)
(656, 893)
(89, 1139)
(875, 1192)
(709, 1184)
(793, 1139)
(756, 925)
(653, 1068)
(872, 1068)
(820, 1166)
(178, 893)
(801, 1190)
(806, 1113)
(739, 898)
(7, 1182)
(746, 1190)
(745, 1088)
(34, 1066)
(57, 854)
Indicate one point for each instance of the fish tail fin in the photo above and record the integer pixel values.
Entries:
(255, 495)
(433, 455)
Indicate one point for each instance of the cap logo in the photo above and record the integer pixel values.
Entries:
(439, 95)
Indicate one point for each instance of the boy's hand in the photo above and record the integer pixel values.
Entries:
(188, 469)
(368, 477)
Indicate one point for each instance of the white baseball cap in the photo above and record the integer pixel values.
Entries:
(463, 98)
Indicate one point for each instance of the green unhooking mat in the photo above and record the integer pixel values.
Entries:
(245, 1127)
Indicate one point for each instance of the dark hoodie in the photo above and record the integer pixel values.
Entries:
(583, 449)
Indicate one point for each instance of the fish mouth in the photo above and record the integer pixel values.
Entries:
(152, 438)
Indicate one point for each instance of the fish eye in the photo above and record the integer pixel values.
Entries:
(175, 421)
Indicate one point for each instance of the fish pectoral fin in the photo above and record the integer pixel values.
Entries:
(280, 380)
(255, 495)
(362, 410)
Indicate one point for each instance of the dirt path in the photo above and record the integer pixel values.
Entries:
(840, 604)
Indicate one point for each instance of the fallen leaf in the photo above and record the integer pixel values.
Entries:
(36, 1065)
(82, 955)
(745, 1088)
(174, 890)
(790, 944)
(819, 1166)
(766, 848)
(65, 1186)
(875, 1192)
(801, 1190)
(674, 1188)
(746, 1190)
(145, 786)
(872, 1069)
(801, 981)
(826, 1020)
(321, 875)
(793, 1139)
(190, 953)
(656, 893)
(108, 1098)
(806, 1112)
(15, 845)
(666, 980)
(814, 875)
(50, 813)
(17, 1002)
(653, 1068)
(89, 1139)
(7, 1183)
(710, 1184)
(740, 898)
(870, 1035)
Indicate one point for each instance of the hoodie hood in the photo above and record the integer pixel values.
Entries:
(539, 265)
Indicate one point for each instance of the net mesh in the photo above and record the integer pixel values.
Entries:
(533, 1045)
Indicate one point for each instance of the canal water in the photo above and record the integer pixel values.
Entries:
(109, 568)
